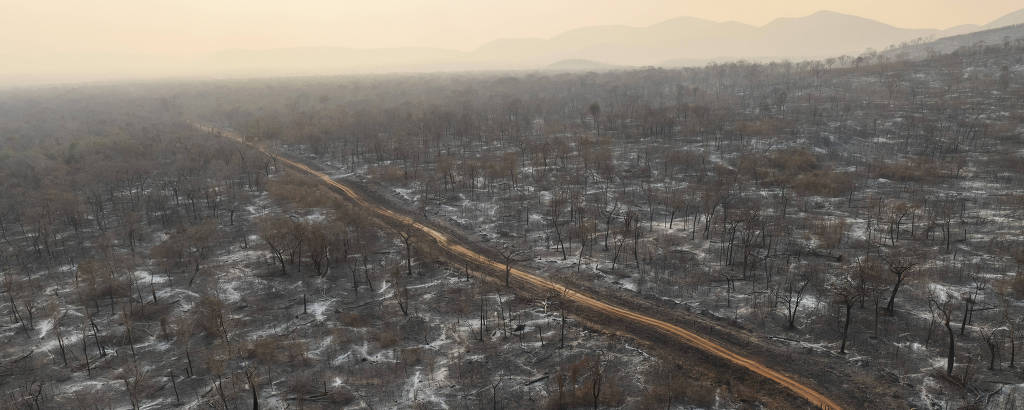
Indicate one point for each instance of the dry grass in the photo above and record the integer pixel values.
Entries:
(916, 169)
(825, 183)
(387, 174)
(384, 338)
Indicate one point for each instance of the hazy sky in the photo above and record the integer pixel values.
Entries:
(183, 27)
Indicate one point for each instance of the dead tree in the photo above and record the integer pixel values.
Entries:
(900, 264)
(845, 293)
(990, 335)
(252, 387)
(509, 254)
(793, 294)
(407, 240)
(483, 321)
(403, 300)
(944, 305)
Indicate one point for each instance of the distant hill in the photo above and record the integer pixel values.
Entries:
(677, 42)
(1016, 17)
(952, 43)
(682, 41)
(820, 34)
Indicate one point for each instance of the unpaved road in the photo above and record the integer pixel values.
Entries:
(455, 248)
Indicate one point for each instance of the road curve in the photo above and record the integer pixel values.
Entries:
(454, 247)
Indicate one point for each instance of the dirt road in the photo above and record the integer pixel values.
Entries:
(452, 246)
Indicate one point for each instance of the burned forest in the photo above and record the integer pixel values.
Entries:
(849, 228)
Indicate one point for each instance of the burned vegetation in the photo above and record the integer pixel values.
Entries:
(859, 214)
(147, 264)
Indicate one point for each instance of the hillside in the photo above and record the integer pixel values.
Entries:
(1014, 18)
(1003, 35)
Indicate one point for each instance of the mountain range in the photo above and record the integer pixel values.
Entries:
(676, 42)
(683, 41)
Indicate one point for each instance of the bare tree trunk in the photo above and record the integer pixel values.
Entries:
(60, 341)
(408, 252)
(482, 322)
(846, 329)
(561, 344)
(85, 352)
(892, 297)
(252, 387)
(1013, 348)
(174, 384)
(952, 349)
